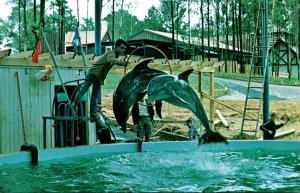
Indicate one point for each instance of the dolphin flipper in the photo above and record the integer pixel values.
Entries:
(173, 93)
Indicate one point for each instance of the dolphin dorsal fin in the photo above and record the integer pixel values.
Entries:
(143, 64)
(185, 75)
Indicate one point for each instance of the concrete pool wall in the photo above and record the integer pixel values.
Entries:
(166, 146)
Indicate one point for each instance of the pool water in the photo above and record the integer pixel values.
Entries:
(197, 171)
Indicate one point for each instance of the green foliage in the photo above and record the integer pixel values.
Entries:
(179, 14)
(131, 25)
(285, 18)
(13, 27)
(154, 20)
(88, 24)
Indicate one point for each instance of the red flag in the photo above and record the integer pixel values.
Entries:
(37, 51)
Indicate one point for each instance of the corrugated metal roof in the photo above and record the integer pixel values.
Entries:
(88, 37)
(167, 37)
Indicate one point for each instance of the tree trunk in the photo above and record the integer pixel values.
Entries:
(177, 28)
(121, 20)
(113, 23)
(189, 22)
(241, 60)
(298, 37)
(233, 37)
(61, 48)
(218, 28)
(25, 27)
(227, 42)
(173, 40)
(208, 31)
(202, 30)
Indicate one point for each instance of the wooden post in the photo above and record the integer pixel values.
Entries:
(211, 102)
(200, 84)
(211, 71)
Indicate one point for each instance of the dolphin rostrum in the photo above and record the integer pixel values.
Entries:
(176, 90)
(131, 89)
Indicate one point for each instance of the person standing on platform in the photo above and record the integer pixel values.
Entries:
(96, 76)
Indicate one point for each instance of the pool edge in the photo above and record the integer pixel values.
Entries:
(58, 153)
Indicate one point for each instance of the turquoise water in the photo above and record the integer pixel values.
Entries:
(198, 171)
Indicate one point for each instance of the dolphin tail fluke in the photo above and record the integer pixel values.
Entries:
(212, 137)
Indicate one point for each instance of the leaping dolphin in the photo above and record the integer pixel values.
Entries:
(176, 90)
(131, 89)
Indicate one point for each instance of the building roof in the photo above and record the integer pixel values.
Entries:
(88, 37)
(167, 37)
(280, 41)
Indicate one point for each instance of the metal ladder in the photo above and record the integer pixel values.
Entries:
(256, 82)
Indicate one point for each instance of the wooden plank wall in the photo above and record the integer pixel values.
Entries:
(37, 97)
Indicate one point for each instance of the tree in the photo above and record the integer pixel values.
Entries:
(240, 33)
(131, 24)
(10, 28)
(88, 24)
(153, 20)
(218, 28)
(179, 14)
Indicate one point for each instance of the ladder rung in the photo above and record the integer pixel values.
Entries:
(252, 108)
(254, 98)
(255, 87)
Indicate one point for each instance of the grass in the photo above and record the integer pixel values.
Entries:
(273, 80)
(113, 80)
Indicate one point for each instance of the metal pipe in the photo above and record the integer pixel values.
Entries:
(265, 45)
(98, 10)
(61, 126)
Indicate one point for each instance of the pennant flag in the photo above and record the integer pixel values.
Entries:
(37, 51)
(76, 38)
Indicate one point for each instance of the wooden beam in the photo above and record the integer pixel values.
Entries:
(221, 103)
(211, 102)
(207, 63)
(4, 53)
(222, 119)
(285, 133)
(282, 134)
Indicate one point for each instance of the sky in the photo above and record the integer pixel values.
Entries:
(140, 7)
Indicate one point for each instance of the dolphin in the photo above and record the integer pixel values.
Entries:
(176, 90)
(131, 88)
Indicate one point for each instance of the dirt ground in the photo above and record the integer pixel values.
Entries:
(173, 127)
